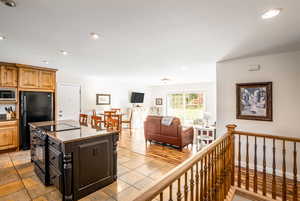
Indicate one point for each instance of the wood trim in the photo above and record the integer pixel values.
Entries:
(35, 67)
(36, 90)
(293, 139)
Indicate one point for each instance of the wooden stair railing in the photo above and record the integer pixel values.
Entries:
(271, 181)
(225, 164)
(204, 177)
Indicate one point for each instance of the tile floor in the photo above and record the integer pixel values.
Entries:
(136, 172)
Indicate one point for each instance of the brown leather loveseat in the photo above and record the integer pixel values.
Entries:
(174, 134)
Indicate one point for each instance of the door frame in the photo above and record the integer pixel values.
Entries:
(56, 97)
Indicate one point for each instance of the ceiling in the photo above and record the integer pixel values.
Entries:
(145, 40)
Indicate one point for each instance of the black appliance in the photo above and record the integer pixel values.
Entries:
(34, 107)
(8, 94)
(40, 149)
(137, 97)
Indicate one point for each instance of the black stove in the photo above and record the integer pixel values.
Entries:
(59, 127)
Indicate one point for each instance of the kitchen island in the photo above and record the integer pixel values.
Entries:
(77, 160)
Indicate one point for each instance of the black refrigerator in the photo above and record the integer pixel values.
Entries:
(34, 107)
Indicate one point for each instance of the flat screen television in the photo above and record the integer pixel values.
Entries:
(137, 97)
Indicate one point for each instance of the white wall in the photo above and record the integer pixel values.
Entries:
(284, 71)
(90, 86)
(209, 88)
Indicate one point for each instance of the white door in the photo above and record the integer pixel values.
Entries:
(69, 104)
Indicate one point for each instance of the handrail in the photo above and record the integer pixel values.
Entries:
(173, 175)
(293, 139)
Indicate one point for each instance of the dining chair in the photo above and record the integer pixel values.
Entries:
(118, 110)
(96, 122)
(128, 119)
(83, 118)
(113, 122)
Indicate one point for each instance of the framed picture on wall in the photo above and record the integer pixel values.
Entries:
(158, 101)
(254, 101)
(102, 99)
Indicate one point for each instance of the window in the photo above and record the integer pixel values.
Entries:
(187, 106)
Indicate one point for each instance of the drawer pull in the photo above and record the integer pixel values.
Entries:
(53, 177)
(53, 158)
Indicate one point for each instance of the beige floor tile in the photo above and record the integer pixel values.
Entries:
(26, 170)
(35, 187)
(99, 196)
(146, 169)
(128, 195)
(133, 164)
(123, 159)
(11, 188)
(115, 188)
(122, 170)
(6, 164)
(21, 195)
(8, 175)
(144, 183)
(132, 177)
(51, 196)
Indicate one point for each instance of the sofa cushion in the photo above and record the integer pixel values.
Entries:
(171, 130)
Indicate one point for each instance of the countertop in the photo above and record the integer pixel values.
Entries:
(3, 118)
(83, 132)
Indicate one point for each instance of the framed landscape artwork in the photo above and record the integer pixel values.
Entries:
(254, 101)
(158, 101)
(103, 99)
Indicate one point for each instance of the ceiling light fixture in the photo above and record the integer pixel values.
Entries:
(94, 36)
(271, 13)
(2, 38)
(9, 3)
(45, 62)
(64, 52)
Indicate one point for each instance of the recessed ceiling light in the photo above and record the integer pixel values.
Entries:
(94, 36)
(45, 62)
(2, 38)
(271, 13)
(64, 52)
(9, 3)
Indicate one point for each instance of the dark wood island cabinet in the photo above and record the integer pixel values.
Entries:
(77, 160)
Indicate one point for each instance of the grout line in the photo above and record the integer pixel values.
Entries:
(20, 177)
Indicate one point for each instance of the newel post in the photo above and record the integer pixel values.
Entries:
(230, 131)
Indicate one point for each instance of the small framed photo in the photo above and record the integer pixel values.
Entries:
(158, 101)
(254, 101)
(102, 99)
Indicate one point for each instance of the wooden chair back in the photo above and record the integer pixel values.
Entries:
(96, 122)
(111, 112)
(118, 110)
(83, 118)
(113, 122)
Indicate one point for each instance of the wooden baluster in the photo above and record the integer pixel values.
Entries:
(197, 181)
(239, 162)
(295, 189)
(213, 191)
(208, 177)
(283, 171)
(179, 190)
(222, 173)
(192, 184)
(205, 178)
(171, 192)
(217, 190)
(161, 196)
(274, 172)
(255, 166)
(201, 180)
(186, 188)
(264, 169)
(224, 169)
(247, 163)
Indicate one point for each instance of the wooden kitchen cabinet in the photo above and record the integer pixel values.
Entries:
(46, 79)
(9, 76)
(28, 78)
(8, 135)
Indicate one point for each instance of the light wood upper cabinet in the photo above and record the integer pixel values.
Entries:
(9, 76)
(8, 135)
(28, 78)
(47, 79)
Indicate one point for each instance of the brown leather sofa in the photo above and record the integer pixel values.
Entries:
(174, 134)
